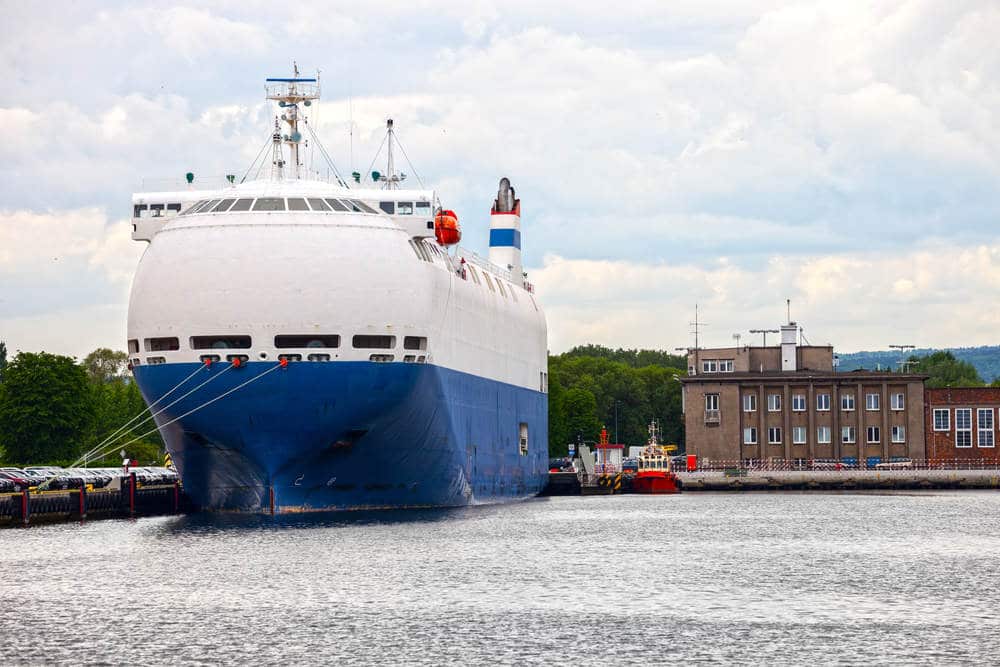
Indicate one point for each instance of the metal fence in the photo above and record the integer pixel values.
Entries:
(752, 465)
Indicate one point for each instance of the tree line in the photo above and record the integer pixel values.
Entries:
(592, 386)
(53, 409)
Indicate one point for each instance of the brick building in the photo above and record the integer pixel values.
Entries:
(961, 423)
(786, 402)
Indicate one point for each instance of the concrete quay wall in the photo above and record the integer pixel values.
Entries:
(773, 480)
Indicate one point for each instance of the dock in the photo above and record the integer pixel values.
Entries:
(132, 499)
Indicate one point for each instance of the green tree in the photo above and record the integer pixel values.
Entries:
(105, 365)
(3, 358)
(45, 408)
(581, 414)
(118, 402)
(944, 370)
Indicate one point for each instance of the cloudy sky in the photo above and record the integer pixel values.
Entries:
(731, 154)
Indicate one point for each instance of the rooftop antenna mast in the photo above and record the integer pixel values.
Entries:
(904, 363)
(290, 93)
(765, 332)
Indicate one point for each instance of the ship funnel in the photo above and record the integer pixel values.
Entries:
(505, 232)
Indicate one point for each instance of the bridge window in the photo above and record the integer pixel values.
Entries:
(208, 206)
(241, 205)
(297, 204)
(162, 344)
(156, 210)
(423, 208)
(388, 206)
(307, 340)
(223, 206)
(194, 207)
(220, 342)
(360, 206)
(139, 210)
(269, 204)
(414, 343)
(173, 208)
(374, 342)
(319, 205)
(337, 205)
(404, 208)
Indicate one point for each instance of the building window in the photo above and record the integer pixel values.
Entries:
(897, 402)
(899, 434)
(984, 424)
(133, 345)
(798, 402)
(750, 436)
(774, 402)
(874, 435)
(872, 402)
(823, 402)
(725, 365)
(711, 402)
(942, 419)
(848, 435)
(749, 402)
(774, 435)
(798, 435)
(710, 366)
(823, 435)
(963, 427)
(847, 402)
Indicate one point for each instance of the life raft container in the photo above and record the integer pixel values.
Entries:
(446, 228)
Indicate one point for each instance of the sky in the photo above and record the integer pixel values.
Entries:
(842, 155)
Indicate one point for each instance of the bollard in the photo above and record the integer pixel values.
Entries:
(131, 495)
(25, 508)
(83, 503)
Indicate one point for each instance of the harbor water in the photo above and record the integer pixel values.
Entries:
(752, 578)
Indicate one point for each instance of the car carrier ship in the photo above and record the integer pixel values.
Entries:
(310, 343)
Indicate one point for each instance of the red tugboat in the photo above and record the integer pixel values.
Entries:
(654, 474)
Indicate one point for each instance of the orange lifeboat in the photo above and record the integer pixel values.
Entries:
(446, 228)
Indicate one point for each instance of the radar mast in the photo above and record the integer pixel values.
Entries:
(289, 93)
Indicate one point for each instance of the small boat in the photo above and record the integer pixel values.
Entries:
(655, 474)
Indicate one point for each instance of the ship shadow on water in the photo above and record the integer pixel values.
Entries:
(209, 522)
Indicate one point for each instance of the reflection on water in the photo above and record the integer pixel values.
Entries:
(748, 578)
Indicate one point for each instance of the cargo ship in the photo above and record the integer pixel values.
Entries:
(317, 343)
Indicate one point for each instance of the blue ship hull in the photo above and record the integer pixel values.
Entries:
(348, 435)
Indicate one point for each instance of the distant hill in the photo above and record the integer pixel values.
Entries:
(986, 359)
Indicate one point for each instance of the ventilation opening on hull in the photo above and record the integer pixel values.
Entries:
(289, 357)
(209, 358)
(382, 358)
(220, 342)
(162, 344)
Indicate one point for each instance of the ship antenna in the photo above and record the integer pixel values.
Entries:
(289, 93)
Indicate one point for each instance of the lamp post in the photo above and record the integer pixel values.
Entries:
(617, 442)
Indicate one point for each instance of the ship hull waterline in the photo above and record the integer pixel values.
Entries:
(319, 436)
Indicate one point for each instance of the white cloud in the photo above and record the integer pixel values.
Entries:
(934, 296)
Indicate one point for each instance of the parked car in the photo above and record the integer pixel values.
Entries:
(18, 478)
(7, 486)
(94, 477)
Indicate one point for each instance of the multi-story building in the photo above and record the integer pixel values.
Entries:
(787, 402)
(962, 424)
